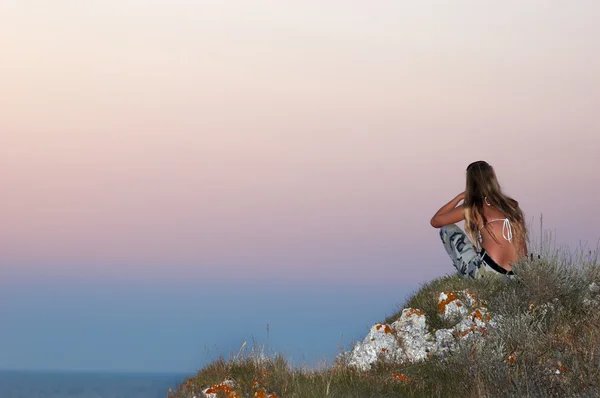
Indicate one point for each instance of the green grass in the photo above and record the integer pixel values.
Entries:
(546, 327)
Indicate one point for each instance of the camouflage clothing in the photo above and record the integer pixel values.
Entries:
(467, 261)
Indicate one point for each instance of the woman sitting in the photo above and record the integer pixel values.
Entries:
(493, 221)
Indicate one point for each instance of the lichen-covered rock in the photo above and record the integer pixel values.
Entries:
(228, 386)
(415, 339)
(455, 304)
(381, 342)
(262, 393)
(231, 389)
(473, 317)
(408, 339)
(475, 323)
(444, 341)
(405, 340)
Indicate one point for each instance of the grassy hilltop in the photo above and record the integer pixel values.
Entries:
(547, 344)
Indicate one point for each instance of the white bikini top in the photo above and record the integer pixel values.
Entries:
(506, 227)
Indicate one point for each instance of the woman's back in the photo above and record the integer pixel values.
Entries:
(496, 237)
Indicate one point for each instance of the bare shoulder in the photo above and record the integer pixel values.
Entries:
(491, 213)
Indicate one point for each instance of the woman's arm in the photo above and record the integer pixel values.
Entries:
(450, 213)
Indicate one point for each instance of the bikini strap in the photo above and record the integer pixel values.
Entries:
(506, 228)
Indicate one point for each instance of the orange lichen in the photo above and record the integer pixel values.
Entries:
(231, 393)
(471, 295)
(450, 297)
(472, 329)
(412, 311)
(474, 301)
(384, 349)
(469, 330)
(386, 328)
(477, 315)
(262, 393)
(401, 377)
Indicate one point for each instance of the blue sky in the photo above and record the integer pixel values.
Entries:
(160, 328)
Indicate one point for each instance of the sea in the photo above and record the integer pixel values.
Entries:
(146, 329)
(38, 384)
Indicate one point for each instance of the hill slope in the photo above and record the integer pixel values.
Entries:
(544, 341)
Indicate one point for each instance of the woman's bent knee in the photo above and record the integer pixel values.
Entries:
(448, 230)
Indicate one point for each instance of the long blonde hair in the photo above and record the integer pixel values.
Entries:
(483, 186)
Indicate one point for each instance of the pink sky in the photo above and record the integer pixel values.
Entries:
(284, 141)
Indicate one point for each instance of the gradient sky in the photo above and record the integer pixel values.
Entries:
(274, 143)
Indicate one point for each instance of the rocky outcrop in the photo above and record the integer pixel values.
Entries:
(405, 339)
(409, 340)
(230, 389)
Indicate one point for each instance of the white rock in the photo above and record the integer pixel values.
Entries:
(412, 332)
(408, 340)
(475, 322)
(481, 317)
(594, 288)
(451, 306)
(465, 328)
(212, 392)
(444, 341)
(209, 395)
(380, 342)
